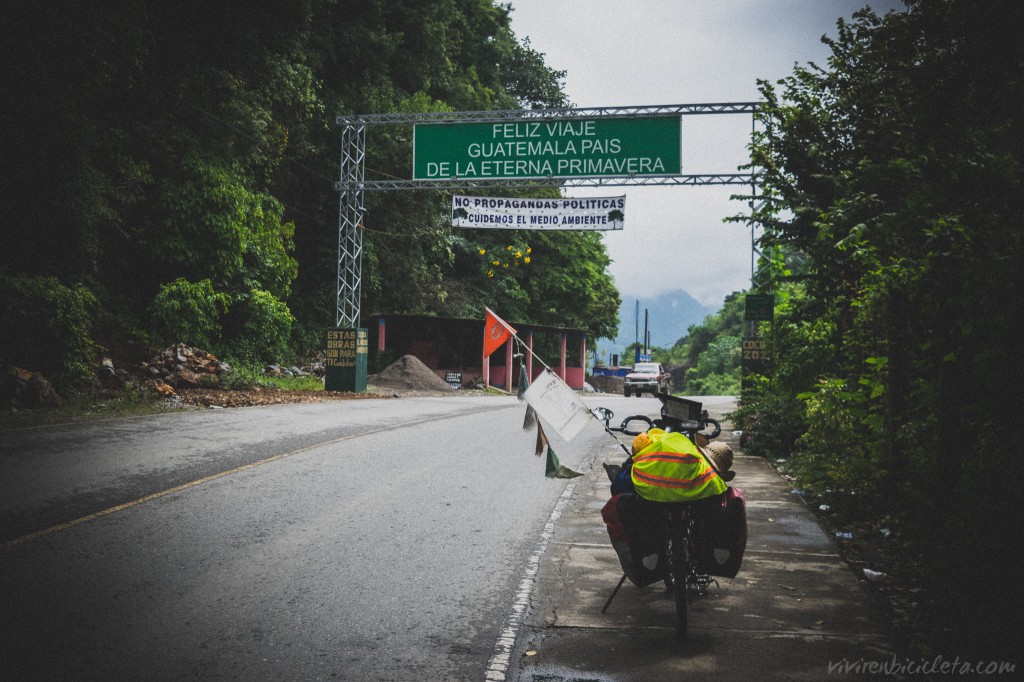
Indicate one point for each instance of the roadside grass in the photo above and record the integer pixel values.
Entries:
(245, 376)
(310, 383)
(88, 407)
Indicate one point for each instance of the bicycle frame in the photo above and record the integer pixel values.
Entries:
(684, 571)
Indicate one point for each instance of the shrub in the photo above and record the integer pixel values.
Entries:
(771, 422)
(188, 312)
(261, 327)
(835, 450)
(47, 327)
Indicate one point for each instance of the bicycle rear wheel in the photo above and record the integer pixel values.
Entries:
(679, 566)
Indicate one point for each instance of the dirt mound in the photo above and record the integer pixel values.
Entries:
(606, 384)
(410, 374)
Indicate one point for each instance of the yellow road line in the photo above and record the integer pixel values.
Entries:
(183, 486)
(207, 479)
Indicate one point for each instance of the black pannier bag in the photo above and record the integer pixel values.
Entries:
(639, 535)
(721, 536)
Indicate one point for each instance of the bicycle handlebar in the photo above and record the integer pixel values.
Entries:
(605, 415)
(716, 432)
(635, 417)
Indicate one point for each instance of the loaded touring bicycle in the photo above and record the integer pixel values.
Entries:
(680, 531)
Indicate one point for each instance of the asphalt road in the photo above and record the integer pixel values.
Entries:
(357, 540)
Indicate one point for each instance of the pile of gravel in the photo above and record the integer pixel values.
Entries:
(179, 365)
(410, 374)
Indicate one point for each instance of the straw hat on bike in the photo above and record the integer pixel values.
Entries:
(720, 455)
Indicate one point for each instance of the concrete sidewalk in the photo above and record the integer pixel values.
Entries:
(794, 608)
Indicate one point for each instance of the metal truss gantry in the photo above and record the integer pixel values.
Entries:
(350, 220)
(353, 183)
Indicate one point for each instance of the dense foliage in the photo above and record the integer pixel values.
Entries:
(711, 351)
(892, 181)
(707, 360)
(176, 162)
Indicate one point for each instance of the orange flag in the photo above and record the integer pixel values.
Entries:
(496, 332)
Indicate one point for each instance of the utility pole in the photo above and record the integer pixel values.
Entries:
(647, 335)
(636, 331)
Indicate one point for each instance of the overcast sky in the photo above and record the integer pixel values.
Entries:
(647, 52)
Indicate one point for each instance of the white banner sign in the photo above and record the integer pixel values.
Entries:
(584, 213)
(556, 404)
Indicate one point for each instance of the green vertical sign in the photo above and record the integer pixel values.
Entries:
(759, 307)
(345, 361)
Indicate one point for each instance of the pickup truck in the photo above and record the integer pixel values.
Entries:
(646, 377)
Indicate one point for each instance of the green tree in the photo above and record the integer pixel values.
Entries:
(886, 179)
(159, 142)
(711, 351)
(219, 229)
(728, 320)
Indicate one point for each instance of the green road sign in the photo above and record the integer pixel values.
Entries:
(556, 148)
(759, 307)
(345, 362)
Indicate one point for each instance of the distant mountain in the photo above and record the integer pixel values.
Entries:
(668, 317)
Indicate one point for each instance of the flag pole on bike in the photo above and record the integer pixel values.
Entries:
(554, 399)
(548, 397)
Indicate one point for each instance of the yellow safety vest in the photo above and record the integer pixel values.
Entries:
(671, 469)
